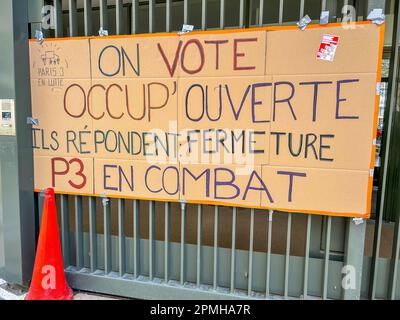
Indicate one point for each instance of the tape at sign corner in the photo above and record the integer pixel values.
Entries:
(327, 47)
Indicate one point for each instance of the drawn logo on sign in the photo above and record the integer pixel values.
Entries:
(50, 58)
(50, 68)
(327, 48)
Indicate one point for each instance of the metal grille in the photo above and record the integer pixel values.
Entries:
(147, 249)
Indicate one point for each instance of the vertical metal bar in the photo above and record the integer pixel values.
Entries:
(203, 14)
(166, 241)
(287, 256)
(326, 257)
(183, 239)
(280, 11)
(168, 16)
(199, 229)
(269, 243)
(233, 249)
(151, 16)
(394, 264)
(65, 229)
(136, 238)
(151, 239)
(307, 257)
(73, 21)
(332, 7)
(119, 16)
(369, 5)
(222, 14)
(185, 12)
(58, 18)
(41, 203)
(107, 235)
(87, 4)
(261, 14)
(241, 14)
(43, 8)
(348, 15)
(251, 248)
(78, 232)
(121, 237)
(354, 257)
(134, 16)
(376, 249)
(92, 234)
(375, 4)
(103, 14)
(215, 269)
(301, 15)
(323, 5)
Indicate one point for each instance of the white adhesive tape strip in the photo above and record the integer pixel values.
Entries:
(103, 32)
(39, 36)
(302, 24)
(324, 18)
(376, 16)
(378, 88)
(186, 28)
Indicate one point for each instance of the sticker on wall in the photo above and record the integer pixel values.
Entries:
(7, 118)
(327, 48)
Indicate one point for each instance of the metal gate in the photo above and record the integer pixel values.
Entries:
(150, 250)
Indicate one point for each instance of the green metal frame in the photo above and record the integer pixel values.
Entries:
(16, 160)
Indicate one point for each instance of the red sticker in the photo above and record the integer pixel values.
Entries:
(327, 48)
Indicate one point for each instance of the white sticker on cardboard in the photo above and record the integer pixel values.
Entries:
(327, 48)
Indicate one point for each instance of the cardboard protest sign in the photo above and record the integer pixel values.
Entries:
(295, 52)
(225, 121)
(222, 54)
(54, 61)
(139, 56)
(137, 179)
(229, 184)
(290, 189)
(135, 118)
(60, 178)
(328, 121)
(64, 126)
(271, 118)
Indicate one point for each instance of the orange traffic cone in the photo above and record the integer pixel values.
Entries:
(48, 281)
